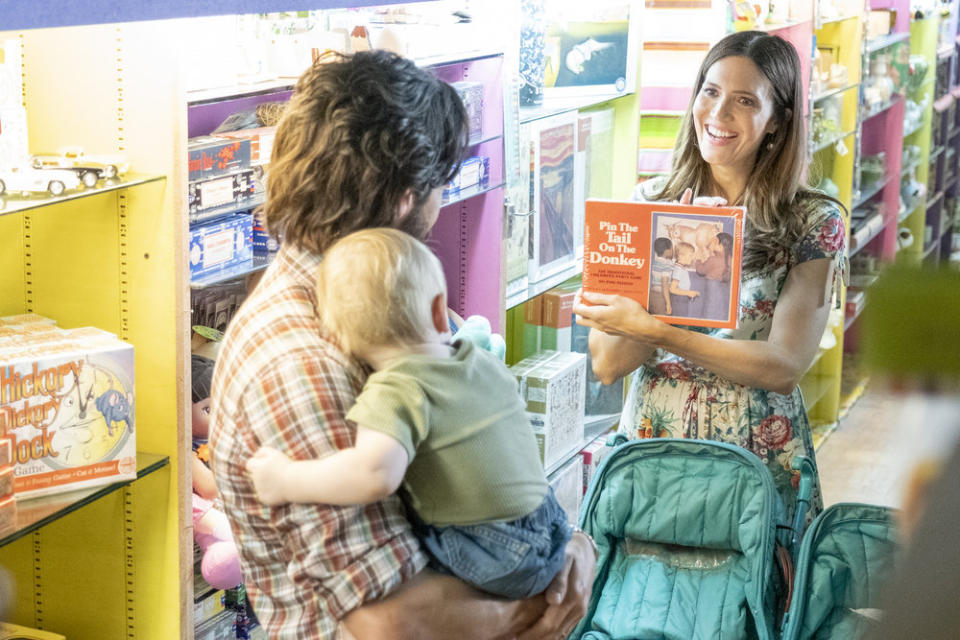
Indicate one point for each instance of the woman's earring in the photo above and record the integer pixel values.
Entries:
(770, 146)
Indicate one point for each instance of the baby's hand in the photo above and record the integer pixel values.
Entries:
(267, 471)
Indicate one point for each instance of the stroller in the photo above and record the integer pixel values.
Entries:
(690, 533)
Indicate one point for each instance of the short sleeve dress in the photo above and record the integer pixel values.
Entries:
(670, 397)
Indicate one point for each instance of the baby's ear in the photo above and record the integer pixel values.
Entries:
(438, 313)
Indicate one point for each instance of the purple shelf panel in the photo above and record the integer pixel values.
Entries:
(902, 8)
(204, 118)
(487, 71)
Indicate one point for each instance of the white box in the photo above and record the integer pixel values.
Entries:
(552, 386)
(567, 483)
(593, 454)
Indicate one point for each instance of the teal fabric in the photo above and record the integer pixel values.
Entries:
(845, 559)
(685, 530)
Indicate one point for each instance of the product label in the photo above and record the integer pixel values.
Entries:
(216, 192)
(217, 248)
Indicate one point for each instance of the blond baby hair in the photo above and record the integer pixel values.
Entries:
(685, 246)
(375, 287)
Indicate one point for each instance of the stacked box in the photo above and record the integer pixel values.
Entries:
(221, 244)
(551, 385)
(592, 455)
(220, 627)
(260, 139)
(212, 157)
(567, 485)
(66, 408)
(557, 320)
(471, 93)
(208, 606)
(474, 172)
(209, 198)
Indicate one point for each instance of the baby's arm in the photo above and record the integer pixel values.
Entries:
(369, 471)
(677, 291)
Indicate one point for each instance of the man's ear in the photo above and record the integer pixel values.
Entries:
(438, 312)
(405, 206)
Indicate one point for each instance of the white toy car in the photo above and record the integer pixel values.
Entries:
(54, 181)
(89, 168)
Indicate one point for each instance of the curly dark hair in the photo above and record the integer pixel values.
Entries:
(359, 134)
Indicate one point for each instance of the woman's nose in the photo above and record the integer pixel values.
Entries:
(721, 108)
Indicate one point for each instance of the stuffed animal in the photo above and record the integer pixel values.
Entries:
(220, 564)
(477, 330)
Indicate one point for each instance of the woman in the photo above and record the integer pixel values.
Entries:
(742, 142)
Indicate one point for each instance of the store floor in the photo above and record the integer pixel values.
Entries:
(859, 461)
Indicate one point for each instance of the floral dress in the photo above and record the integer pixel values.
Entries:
(672, 398)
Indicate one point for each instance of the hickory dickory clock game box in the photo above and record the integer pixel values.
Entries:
(66, 406)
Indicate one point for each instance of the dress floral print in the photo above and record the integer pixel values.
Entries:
(672, 398)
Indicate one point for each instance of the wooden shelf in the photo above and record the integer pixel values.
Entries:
(37, 512)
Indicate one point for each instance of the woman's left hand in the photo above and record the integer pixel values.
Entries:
(616, 315)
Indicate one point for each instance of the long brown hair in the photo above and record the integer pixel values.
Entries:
(774, 191)
(359, 134)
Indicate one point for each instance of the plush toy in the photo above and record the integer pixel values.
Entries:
(477, 330)
(220, 564)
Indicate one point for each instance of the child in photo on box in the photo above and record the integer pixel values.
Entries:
(445, 419)
(682, 293)
(716, 270)
(660, 274)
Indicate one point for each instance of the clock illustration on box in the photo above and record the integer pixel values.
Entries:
(95, 417)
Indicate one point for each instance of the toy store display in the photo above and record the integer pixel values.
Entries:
(826, 120)
(221, 176)
(552, 386)
(89, 167)
(213, 307)
(471, 93)
(873, 170)
(474, 172)
(878, 85)
(567, 485)
(66, 405)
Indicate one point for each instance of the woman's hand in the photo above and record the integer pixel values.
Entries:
(702, 201)
(617, 316)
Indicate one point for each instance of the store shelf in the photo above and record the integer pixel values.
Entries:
(14, 204)
(870, 192)
(860, 245)
(910, 167)
(910, 209)
(536, 288)
(829, 143)
(37, 512)
(239, 90)
(882, 108)
(832, 92)
(847, 323)
(470, 192)
(945, 52)
(862, 281)
(887, 41)
(910, 132)
(590, 433)
(456, 57)
(553, 106)
(929, 250)
(772, 28)
(840, 19)
(814, 388)
(257, 263)
(476, 141)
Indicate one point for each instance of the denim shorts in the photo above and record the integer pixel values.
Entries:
(516, 559)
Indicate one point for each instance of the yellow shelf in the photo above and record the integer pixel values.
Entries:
(814, 388)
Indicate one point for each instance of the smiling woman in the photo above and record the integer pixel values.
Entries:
(741, 142)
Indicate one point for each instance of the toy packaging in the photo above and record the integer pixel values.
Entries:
(592, 455)
(220, 627)
(551, 385)
(474, 172)
(67, 407)
(472, 95)
(211, 157)
(208, 606)
(567, 485)
(220, 244)
(220, 195)
(261, 142)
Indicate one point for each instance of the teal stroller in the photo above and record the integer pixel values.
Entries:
(690, 533)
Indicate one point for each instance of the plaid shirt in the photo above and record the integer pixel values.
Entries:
(278, 382)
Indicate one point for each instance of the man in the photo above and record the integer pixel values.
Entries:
(366, 141)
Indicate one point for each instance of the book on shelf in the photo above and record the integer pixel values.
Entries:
(681, 262)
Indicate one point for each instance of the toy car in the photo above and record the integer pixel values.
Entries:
(54, 181)
(89, 168)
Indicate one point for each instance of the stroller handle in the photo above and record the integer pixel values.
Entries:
(804, 465)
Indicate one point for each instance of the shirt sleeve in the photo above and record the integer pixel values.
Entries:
(826, 237)
(395, 405)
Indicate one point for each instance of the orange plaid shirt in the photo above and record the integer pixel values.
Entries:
(278, 382)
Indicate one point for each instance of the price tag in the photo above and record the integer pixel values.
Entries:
(841, 148)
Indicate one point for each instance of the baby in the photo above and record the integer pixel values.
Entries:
(444, 419)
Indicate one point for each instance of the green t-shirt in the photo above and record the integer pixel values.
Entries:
(473, 455)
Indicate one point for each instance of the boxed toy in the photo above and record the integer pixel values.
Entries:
(220, 195)
(474, 172)
(472, 95)
(221, 244)
(567, 484)
(261, 142)
(592, 455)
(551, 385)
(16, 632)
(8, 514)
(209, 606)
(210, 157)
(220, 627)
(68, 409)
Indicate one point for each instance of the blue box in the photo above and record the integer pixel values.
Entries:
(221, 244)
(474, 172)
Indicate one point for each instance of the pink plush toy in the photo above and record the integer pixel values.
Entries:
(220, 564)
